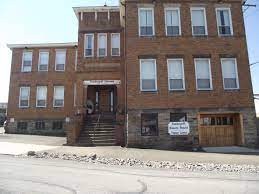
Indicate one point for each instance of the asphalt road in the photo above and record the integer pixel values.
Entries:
(32, 176)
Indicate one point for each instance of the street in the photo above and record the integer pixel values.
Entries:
(32, 176)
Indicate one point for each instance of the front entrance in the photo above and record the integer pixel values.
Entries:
(103, 98)
(219, 130)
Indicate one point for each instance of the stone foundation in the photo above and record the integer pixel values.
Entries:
(31, 128)
(164, 141)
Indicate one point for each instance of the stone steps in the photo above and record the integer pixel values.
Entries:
(98, 134)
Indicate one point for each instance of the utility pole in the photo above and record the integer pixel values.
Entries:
(247, 5)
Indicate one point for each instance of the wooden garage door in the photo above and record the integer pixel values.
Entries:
(217, 130)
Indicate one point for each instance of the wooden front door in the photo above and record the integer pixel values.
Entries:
(218, 130)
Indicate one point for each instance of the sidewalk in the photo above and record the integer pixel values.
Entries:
(21, 144)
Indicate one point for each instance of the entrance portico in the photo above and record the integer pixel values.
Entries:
(100, 96)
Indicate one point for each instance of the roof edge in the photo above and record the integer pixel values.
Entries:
(42, 45)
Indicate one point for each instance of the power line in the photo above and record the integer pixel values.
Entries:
(254, 63)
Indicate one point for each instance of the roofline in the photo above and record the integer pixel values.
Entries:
(42, 45)
(77, 10)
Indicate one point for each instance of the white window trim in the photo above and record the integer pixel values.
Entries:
(179, 14)
(205, 19)
(39, 61)
(92, 44)
(37, 106)
(146, 8)
(230, 17)
(28, 97)
(60, 50)
(175, 59)
(237, 78)
(54, 97)
(99, 34)
(154, 90)
(211, 86)
(29, 51)
(119, 44)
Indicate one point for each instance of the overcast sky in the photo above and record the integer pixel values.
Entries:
(42, 21)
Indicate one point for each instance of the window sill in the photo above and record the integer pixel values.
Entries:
(177, 91)
(204, 90)
(149, 92)
(232, 90)
(200, 36)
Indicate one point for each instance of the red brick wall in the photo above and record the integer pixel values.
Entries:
(188, 46)
(35, 78)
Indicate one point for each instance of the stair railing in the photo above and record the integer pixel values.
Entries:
(98, 120)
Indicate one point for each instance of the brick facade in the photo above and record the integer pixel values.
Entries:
(130, 100)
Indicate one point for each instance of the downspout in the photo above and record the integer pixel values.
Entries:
(125, 78)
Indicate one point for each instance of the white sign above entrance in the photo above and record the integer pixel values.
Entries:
(102, 82)
(178, 128)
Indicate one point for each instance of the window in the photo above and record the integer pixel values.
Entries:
(58, 96)
(199, 23)
(22, 125)
(41, 99)
(39, 125)
(172, 20)
(148, 78)
(178, 117)
(229, 73)
(60, 60)
(57, 125)
(207, 120)
(224, 21)
(102, 45)
(27, 61)
(115, 44)
(149, 124)
(24, 97)
(89, 45)
(43, 61)
(146, 22)
(176, 74)
(203, 74)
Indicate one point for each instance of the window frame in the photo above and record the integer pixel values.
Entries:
(54, 92)
(26, 51)
(85, 39)
(114, 47)
(39, 62)
(154, 90)
(56, 52)
(153, 21)
(157, 124)
(211, 82)
(205, 20)
(236, 71)
(37, 106)
(183, 78)
(106, 45)
(179, 18)
(230, 18)
(28, 87)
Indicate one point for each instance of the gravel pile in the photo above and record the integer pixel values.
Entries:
(183, 166)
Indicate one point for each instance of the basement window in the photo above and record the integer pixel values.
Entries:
(39, 125)
(149, 124)
(22, 125)
(57, 125)
(178, 117)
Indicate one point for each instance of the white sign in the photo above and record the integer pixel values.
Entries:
(102, 82)
(178, 128)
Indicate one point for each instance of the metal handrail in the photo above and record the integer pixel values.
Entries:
(98, 120)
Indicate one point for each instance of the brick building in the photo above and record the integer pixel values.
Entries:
(136, 68)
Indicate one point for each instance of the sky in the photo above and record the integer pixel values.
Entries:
(46, 21)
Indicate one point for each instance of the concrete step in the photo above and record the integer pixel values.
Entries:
(94, 144)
